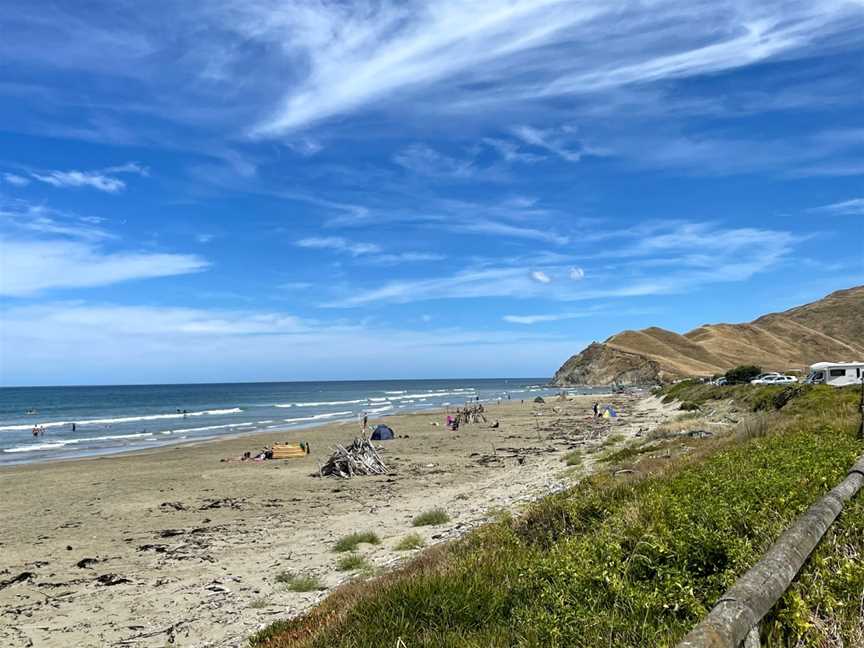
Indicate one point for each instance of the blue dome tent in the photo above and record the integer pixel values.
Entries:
(383, 433)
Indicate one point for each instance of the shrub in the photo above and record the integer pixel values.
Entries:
(353, 540)
(411, 541)
(742, 374)
(431, 518)
(687, 406)
(298, 582)
(573, 458)
(352, 562)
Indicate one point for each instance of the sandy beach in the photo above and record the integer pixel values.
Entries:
(176, 547)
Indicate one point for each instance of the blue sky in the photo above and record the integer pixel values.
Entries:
(262, 190)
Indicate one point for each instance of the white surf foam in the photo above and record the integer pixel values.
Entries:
(318, 417)
(322, 403)
(125, 419)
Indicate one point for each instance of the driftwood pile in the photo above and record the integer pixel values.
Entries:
(473, 413)
(359, 458)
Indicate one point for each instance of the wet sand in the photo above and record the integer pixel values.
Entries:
(175, 547)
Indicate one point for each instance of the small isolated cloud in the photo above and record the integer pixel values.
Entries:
(204, 238)
(559, 141)
(102, 180)
(305, 146)
(409, 257)
(296, 285)
(17, 180)
(576, 274)
(511, 152)
(541, 277)
(853, 207)
(338, 244)
(537, 319)
(426, 161)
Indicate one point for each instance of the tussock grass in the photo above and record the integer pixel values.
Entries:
(352, 562)
(351, 541)
(299, 582)
(431, 518)
(411, 541)
(259, 603)
(573, 458)
(629, 562)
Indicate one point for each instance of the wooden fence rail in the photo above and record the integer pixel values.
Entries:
(736, 616)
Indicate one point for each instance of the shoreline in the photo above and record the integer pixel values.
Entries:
(174, 543)
(157, 443)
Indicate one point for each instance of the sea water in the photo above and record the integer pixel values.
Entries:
(122, 418)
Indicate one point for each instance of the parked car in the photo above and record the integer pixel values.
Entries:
(720, 381)
(774, 379)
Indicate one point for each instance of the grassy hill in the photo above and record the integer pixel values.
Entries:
(829, 329)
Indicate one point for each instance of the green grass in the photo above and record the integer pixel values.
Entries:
(299, 582)
(411, 541)
(630, 561)
(629, 452)
(431, 518)
(352, 562)
(259, 603)
(353, 540)
(573, 458)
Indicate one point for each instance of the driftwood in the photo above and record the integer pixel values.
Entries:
(756, 592)
(359, 458)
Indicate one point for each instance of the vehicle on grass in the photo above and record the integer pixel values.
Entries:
(836, 374)
(774, 379)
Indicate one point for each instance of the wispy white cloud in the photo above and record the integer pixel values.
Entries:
(135, 343)
(426, 161)
(852, 207)
(103, 180)
(23, 217)
(359, 55)
(510, 151)
(668, 258)
(338, 244)
(16, 180)
(541, 277)
(540, 319)
(559, 141)
(576, 274)
(33, 266)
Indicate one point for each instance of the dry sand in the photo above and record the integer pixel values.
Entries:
(174, 547)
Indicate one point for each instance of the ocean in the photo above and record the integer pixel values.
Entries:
(88, 421)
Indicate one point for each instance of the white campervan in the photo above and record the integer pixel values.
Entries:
(836, 374)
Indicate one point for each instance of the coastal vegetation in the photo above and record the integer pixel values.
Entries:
(299, 582)
(411, 541)
(431, 518)
(637, 553)
(352, 562)
(351, 541)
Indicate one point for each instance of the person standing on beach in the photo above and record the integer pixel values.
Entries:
(365, 420)
(596, 409)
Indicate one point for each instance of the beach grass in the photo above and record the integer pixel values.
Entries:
(633, 560)
(411, 541)
(351, 541)
(573, 458)
(299, 582)
(352, 562)
(431, 518)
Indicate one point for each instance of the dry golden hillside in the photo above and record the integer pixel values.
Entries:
(829, 329)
